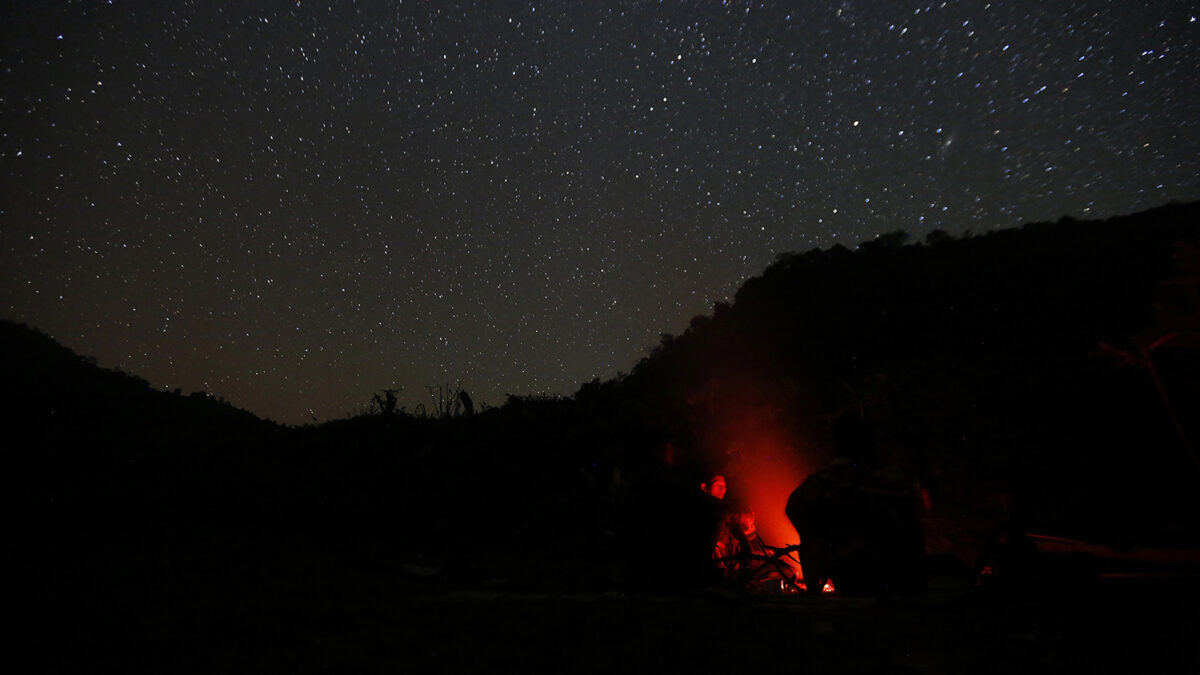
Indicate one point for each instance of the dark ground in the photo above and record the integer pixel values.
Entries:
(304, 618)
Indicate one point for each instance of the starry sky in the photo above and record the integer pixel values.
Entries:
(293, 205)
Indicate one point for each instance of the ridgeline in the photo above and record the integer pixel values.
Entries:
(1004, 366)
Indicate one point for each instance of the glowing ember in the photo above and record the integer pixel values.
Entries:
(827, 588)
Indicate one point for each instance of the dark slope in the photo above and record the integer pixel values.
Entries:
(979, 359)
(49, 389)
(159, 529)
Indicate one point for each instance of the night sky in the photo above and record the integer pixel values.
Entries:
(294, 205)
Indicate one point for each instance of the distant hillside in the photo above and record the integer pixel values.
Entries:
(978, 359)
(48, 391)
(1001, 370)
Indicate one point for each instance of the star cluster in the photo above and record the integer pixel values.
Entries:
(295, 204)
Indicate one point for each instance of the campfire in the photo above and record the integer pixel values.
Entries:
(861, 521)
(760, 547)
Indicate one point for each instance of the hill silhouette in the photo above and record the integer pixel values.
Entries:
(1006, 371)
(982, 359)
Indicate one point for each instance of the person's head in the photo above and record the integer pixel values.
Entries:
(715, 486)
(741, 520)
(746, 525)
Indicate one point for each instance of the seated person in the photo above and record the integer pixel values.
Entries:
(743, 556)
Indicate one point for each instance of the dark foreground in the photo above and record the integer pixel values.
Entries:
(415, 619)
